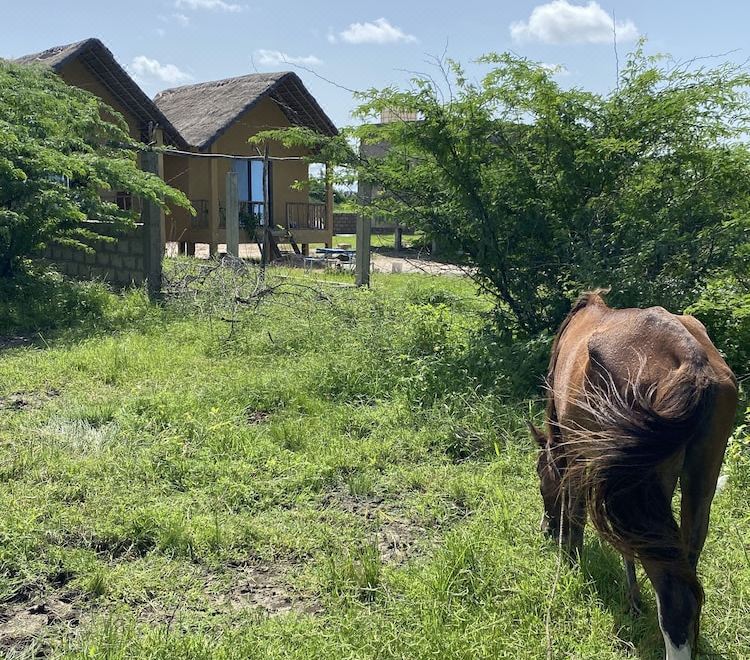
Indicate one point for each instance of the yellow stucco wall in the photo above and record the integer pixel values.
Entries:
(77, 75)
(263, 116)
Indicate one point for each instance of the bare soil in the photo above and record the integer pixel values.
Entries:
(25, 400)
(398, 538)
(22, 624)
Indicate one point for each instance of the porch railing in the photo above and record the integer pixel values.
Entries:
(252, 215)
(200, 219)
(304, 215)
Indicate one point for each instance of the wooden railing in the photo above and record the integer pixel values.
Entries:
(251, 215)
(200, 219)
(299, 215)
(304, 215)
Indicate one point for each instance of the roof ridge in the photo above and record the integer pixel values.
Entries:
(273, 76)
(138, 103)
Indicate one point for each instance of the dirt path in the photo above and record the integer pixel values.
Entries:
(383, 260)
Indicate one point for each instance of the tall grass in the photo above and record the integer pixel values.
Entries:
(161, 475)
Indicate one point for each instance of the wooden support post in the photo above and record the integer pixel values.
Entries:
(214, 208)
(232, 210)
(265, 255)
(329, 205)
(362, 264)
(398, 237)
(154, 234)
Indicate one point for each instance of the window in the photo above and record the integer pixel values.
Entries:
(250, 186)
(124, 201)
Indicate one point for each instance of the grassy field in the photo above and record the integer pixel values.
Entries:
(336, 474)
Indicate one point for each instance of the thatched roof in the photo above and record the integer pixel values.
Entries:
(100, 62)
(205, 111)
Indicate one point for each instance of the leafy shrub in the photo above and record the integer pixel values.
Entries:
(44, 301)
(724, 308)
(61, 146)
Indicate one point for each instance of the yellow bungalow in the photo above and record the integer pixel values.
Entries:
(91, 66)
(216, 119)
(205, 128)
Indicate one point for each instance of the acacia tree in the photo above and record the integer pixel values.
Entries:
(59, 148)
(548, 191)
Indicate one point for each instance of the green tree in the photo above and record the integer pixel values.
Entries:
(60, 147)
(548, 191)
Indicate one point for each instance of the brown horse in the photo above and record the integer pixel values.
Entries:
(637, 399)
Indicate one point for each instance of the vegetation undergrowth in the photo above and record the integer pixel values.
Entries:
(329, 473)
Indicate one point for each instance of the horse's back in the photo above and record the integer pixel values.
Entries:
(648, 349)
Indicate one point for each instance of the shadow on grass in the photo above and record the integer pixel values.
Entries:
(37, 305)
(603, 566)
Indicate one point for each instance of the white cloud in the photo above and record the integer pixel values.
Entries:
(147, 69)
(276, 57)
(559, 22)
(379, 31)
(181, 19)
(211, 5)
(160, 32)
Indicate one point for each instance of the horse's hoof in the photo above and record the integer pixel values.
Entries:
(634, 603)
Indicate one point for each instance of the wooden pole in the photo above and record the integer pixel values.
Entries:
(233, 215)
(265, 253)
(213, 215)
(152, 217)
(329, 205)
(398, 236)
(362, 264)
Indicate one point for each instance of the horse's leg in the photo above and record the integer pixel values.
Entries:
(700, 473)
(634, 589)
(677, 605)
(576, 521)
(678, 596)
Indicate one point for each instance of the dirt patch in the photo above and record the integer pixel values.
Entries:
(398, 538)
(265, 586)
(26, 400)
(23, 623)
(253, 417)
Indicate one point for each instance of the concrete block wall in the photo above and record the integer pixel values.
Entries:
(120, 263)
(346, 223)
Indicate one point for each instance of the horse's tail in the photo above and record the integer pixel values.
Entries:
(616, 466)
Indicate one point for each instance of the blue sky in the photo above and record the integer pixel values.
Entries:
(165, 43)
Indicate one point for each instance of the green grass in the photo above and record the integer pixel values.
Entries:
(342, 475)
(381, 240)
(377, 240)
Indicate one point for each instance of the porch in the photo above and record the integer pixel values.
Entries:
(303, 223)
(261, 192)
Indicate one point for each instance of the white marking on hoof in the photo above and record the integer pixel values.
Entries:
(721, 484)
(677, 652)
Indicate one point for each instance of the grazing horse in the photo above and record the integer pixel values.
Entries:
(637, 399)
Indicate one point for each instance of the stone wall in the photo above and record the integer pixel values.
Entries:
(344, 223)
(120, 263)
